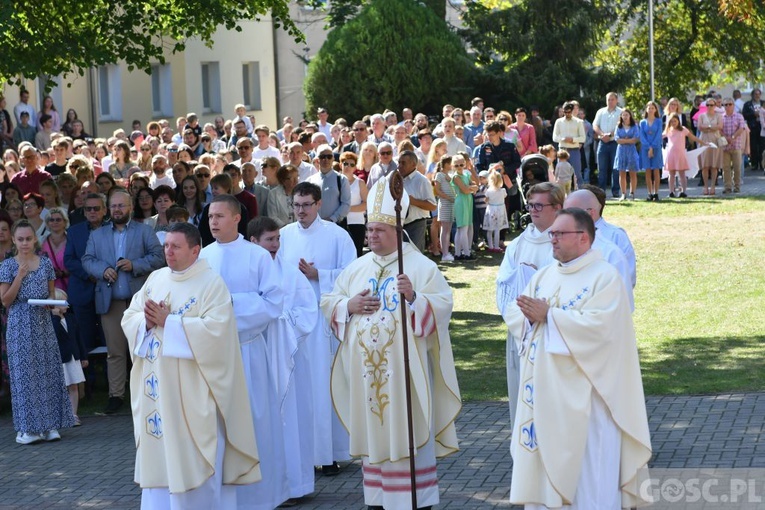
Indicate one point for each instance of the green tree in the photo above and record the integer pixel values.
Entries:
(698, 44)
(394, 54)
(340, 11)
(539, 51)
(52, 37)
(547, 51)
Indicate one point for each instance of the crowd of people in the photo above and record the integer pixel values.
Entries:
(97, 219)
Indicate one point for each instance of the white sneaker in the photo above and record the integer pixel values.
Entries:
(28, 438)
(447, 257)
(622, 198)
(52, 435)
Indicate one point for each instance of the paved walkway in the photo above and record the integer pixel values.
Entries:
(92, 467)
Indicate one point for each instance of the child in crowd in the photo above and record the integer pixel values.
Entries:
(549, 152)
(496, 214)
(446, 195)
(676, 160)
(72, 352)
(479, 204)
(564, 172)
(175, 214)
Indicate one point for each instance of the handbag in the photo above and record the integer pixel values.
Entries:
(722, 142)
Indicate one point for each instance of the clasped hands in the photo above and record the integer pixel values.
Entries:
(364, 303)
(535, 310)
(155, 314)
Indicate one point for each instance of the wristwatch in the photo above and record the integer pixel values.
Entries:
(414, 296)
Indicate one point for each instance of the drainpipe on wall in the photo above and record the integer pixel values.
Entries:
(93, 102)
(276, 78)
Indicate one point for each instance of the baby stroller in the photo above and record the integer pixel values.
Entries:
(534, 169)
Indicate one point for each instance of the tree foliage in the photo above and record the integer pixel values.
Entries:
(547, 51)
(539, 51)
(394, 54)
(698, 44)
(51, 37)
(340, 11)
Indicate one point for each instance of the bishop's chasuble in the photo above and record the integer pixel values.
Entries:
(368, 375)
(184, 402)
(579, 374)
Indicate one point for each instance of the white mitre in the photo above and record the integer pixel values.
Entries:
(381, 207)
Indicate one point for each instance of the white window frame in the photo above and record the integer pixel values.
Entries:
(210, 73)
(161, 82)
(109, 93)
(252, 96)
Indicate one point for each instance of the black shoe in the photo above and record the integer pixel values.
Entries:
(375, 507)
(672, 195)
(331, 469)
(656, 197)
(114, 405)
(468, 257)
(683, 195)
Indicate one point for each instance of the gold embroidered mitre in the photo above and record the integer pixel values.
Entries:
(381, 207)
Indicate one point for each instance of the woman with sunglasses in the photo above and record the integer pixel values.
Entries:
(359, 191)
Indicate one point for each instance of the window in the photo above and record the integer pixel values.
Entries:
(109, 93)
(251, 85)
(211, 87)
(161, 90)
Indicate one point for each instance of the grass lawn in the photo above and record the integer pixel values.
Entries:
(698, 323)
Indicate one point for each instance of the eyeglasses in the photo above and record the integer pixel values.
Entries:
(386, 153)
(30, 205)
(326, 156)
(349, 163)
(173, 151)
(555, 234)
(536, 206)
(727, 104)
(461, 165)
(203, 175)
(245, 148)
(303, 207)
(55, 220)
(14, 209)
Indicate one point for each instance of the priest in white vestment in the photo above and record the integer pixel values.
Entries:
(524, 256)
(191, 417)
(613, 233)
(368, 383)
(320, 250)
(587, 201)
(285, 339)
(581, 432)
(251, 278)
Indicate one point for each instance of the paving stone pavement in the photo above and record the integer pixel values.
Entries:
(92, 467)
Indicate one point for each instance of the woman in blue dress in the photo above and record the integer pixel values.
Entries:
(651, 158)
(627, 160)
(38, 395)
